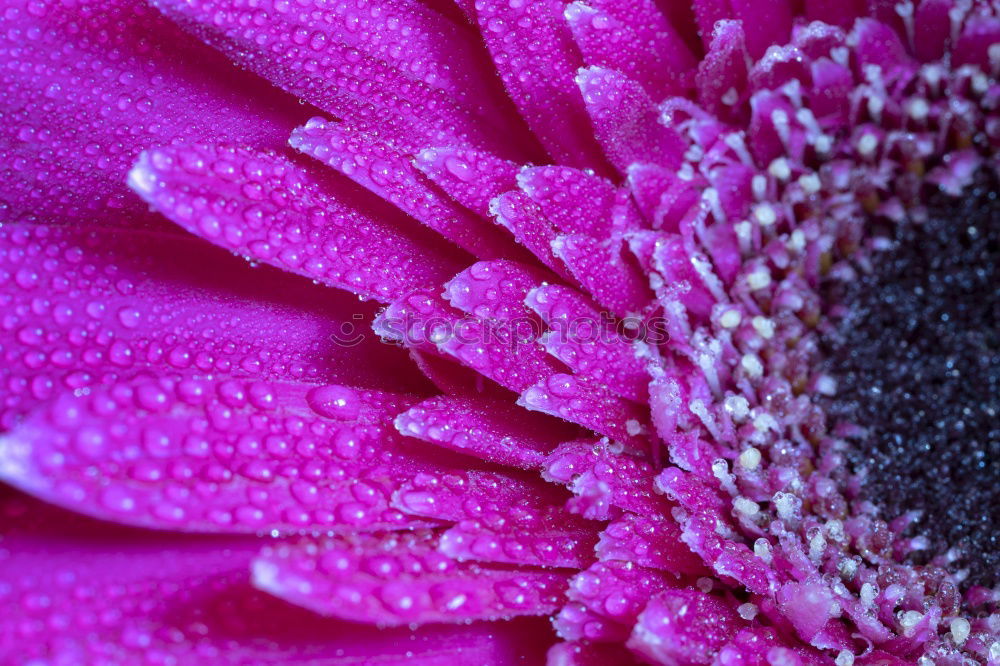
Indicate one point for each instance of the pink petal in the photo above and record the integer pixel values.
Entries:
(590, 405)
(932, 29)
(616, 592)
(605, 477)
(583, 338)
(476, 495)
(390, 173)
(765, 23)
(548, 539)
(217, 456)
(524, 218)
(84, 307)
(402, 69)
(684, 626)
(94, 86)
(77, 591)
(401, 579)
(979, 37)
(762, 646)
(491, 430)
(574, 201)
(267, 208)
(424, 321)
(836, 12)
(650, 541)
(723, 73)
(495, 291)
(471, 177)
(589, 654)
(608, 274)
(635, 38)
(534, 53)
(626, 121)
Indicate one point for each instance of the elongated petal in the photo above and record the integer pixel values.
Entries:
(626, 121)
(590, 405)
(604, 478)
(266, 208)
(583, 338)
(79, 591)
(393, 66)
(635, 38)
(537, 59)
(87, 306)
(88, 93)
(549, 539)
(473, 178)
(401, 579)
(651, 541)
(684, 626)
(216, 456)
(491, 430)
(390, 174)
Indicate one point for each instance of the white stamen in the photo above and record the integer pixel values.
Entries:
(751, 365)
(750, 458)
(779, 169)
(960, 629)
(730, 319)
(764, 327)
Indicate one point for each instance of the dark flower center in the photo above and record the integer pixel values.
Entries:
(917, 362)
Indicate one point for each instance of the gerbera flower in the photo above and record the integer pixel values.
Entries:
(677, 327)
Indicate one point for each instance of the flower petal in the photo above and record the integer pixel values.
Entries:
(491, 430)
(651, 541)
(635, 38)
(602, 478)
(535, 55)
(217, 456)
(390, 174)
(582, 337)
(473, 178)
(84, 306)
(626, 121)
(78, 591)
(398, 67)
(401, 579)
(684, 626)
(267, 208)
(89, 87)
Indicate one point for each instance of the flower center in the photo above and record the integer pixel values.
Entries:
(917, 361)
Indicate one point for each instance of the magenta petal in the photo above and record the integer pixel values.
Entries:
(491, 430)
(535, 55)
(573, 200)
(836, 12)
(265, 207)
(589, 654)
(424, 321)
(617, 592)
(217, 456)
(604, 478)
(590, 405)
(684, 627)
(583, 338)
(77, 591)
(635, 38)
(495, 291)
(87, 88)
(401, 579)
(626, 121)
(548, 538)
(524, 218)
(174, 304)
(390, 173)
(650, 541)
(606, 271)
(400, 68)
(473, 178)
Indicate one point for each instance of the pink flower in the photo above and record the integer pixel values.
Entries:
(544, 315)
